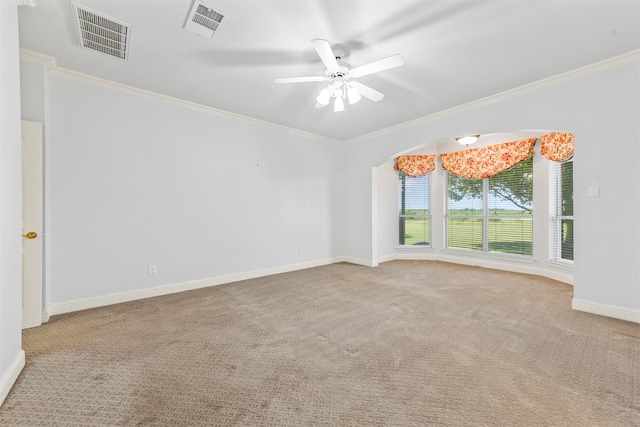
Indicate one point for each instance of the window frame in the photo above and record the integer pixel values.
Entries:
(427, 217)
(556, 218)
(486, 219)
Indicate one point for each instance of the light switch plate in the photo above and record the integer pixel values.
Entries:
(594, 191)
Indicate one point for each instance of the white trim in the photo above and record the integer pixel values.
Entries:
(357, 261)
(47, 230)
(374, 213)
(51, 64)
(103, 300)
(120, 297)
(387, 258)
(11, 375)
(481, 262)
(30, 3)
(421, 248)
(558, 275)
(491, 256)
(615, 61)
(38, 58)
(617, 312)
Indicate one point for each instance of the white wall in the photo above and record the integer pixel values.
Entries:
(601, 105)
(11, 355)
(135, 181)
(32, 92)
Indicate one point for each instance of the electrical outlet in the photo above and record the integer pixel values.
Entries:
(299, 251)
(153, 270)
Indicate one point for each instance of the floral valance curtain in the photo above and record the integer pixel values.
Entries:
(484, 162)
(417, 165)
(557, 146)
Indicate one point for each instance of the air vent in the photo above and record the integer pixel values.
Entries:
(102, 33)
(203, 20)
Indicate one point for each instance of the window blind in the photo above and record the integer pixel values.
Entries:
(510, 208)
(492, 214)
(465, 212)
(561, 211)
(413, 210)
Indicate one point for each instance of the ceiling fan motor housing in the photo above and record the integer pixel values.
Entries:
(341, 74)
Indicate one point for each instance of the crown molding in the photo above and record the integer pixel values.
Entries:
(52, 66)
(30, 3)
(596, 67)
(47, 61)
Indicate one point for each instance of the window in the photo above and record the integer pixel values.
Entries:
(493, 214)
(561, 211)
(413, 210)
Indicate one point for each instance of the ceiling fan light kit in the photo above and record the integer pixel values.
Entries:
(324, 97)
(339, 75)
(353, 95)
(338, 91)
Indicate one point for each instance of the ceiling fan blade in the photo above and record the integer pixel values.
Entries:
(379, 65)
(366, 91)
(300, 79)
(326, 54)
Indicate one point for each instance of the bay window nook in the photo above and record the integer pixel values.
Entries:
(508, 205)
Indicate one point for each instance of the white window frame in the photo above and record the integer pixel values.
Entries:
(555, 215)
(427, 217)
(486, 218)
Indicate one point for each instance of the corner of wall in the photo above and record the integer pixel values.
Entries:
(11, 375)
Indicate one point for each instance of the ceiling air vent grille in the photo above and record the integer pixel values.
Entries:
(203, 20)
(102, 33)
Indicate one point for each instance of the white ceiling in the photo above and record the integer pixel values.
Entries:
(455, 51)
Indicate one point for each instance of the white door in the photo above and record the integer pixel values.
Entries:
(31, 224)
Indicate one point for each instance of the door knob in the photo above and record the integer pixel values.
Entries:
(30, 235)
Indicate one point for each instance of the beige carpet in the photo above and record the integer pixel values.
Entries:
(406, 343)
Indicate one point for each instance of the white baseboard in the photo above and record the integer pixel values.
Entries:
(479, 262)
(358, 261)
(516, 268)
(617, 312)
(387, 258)
(9, 378)
(116, 298)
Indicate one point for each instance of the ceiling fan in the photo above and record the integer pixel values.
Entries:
(340, 76)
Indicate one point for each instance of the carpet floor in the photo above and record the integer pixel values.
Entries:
(406, 343)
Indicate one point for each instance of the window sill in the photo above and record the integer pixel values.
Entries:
(420, 248)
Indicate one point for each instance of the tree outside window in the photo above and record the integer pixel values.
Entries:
(493, 214)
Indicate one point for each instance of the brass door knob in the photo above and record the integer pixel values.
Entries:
(30, 235)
